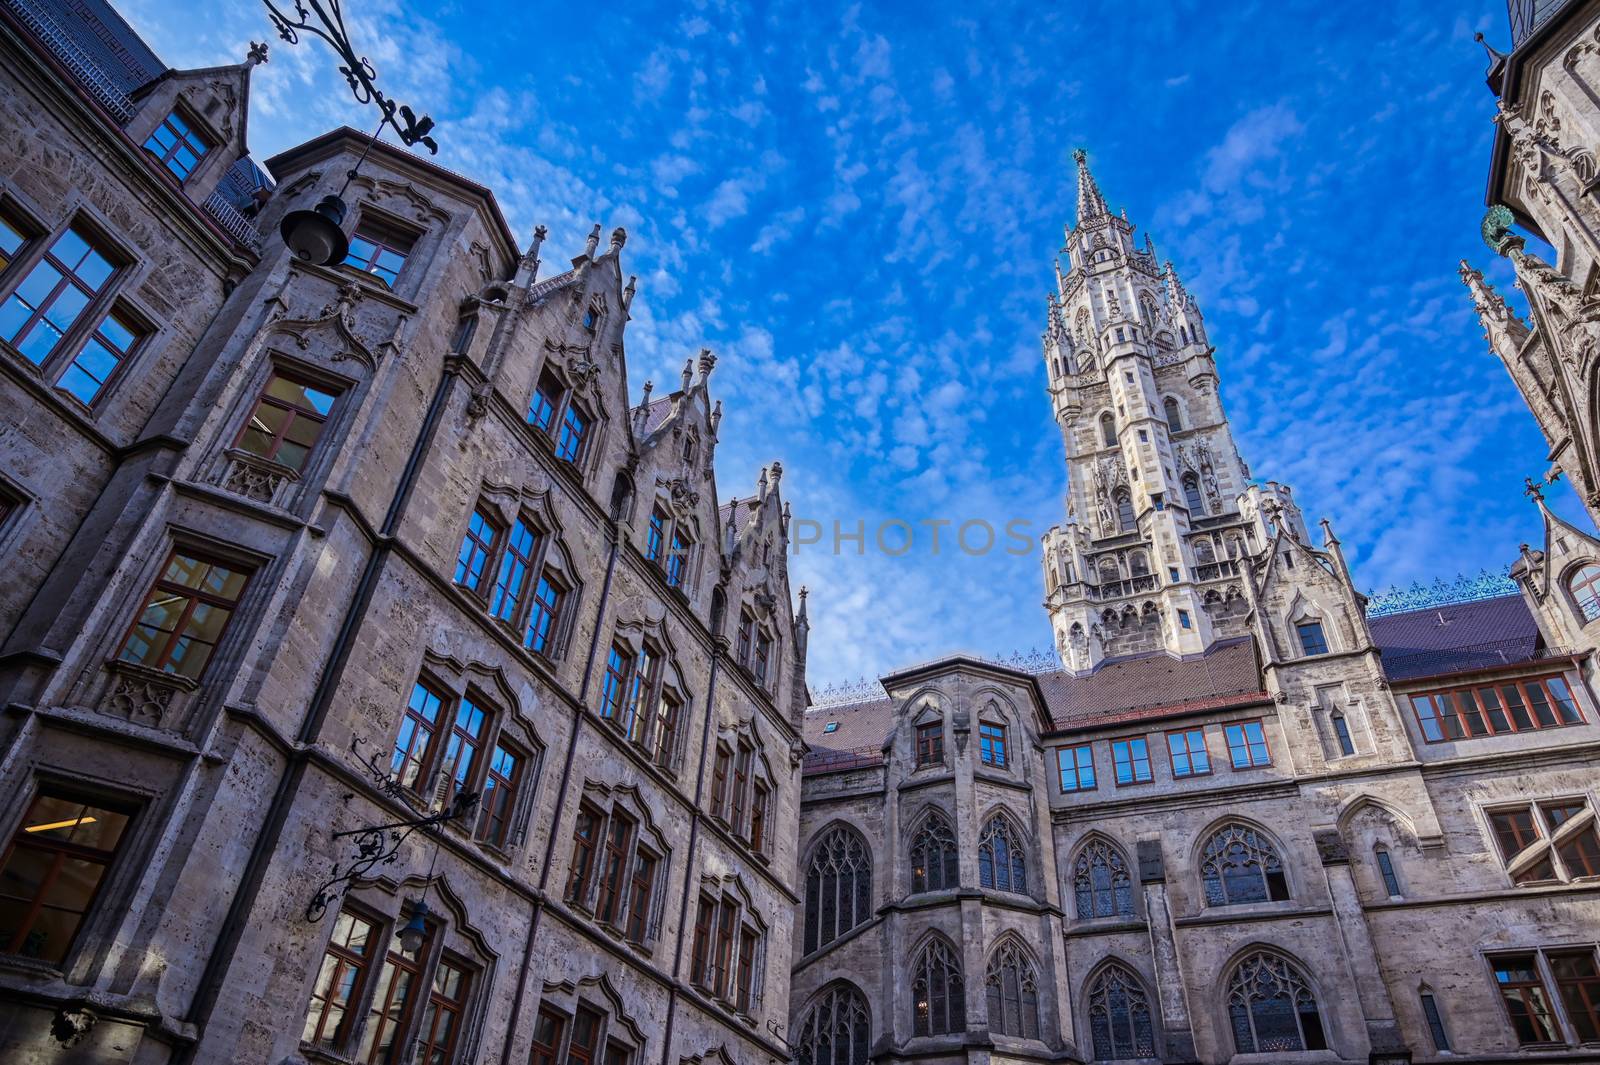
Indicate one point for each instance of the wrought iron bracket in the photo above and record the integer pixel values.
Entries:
(379, 845)
(357, 69)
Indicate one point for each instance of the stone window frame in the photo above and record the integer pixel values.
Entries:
(386, 224)
(118, 294)
(862, 896)
(451, 938)
(454, 681)
(633, 638)
(103, 914)
(1077, 769)
(936, 951)
(274, 362)
(1267, 844)
(1259, 953)
(1547, 837)
(1558, 1011)
(1569, 577)
(735, 921)
(1133, 978)
(625, 801)
(589, 404)
(1133, 761)
(672, 526)
(1001, 824)
(599, 995)
(839, 996)
(1096, 838)
(1010, 951)
(935, 824)
(756, 630)
(736, 810)
(552, 557)
(199, 127)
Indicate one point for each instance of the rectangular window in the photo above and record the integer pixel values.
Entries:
(1578, 984)
(640, 888)
(1077, 768)
(700, 957)
(1526, 1000)
(1312, 641)
(414, 743)
(747, 965)
(574, 427)
(1577, 846)
(763, 656)
(286, 421)
(728, 919)
(447, 1005)
(515, 565)
(52, 872)
(379, 250)
(585, 1037)
(463, 745)
(185, 615)
(547, 397)
(547, 1032)
(678, 560)
(667, 713)
(930, 743)
(177, 145)
(741, 783)
(56, 291)
(1430, 1011)
(643, 682)
(499, 794)
(392, 1002)
(1247, 745)
(112, 341)
(585, 834)
(14, 237)
(719, 779)
(747, 633)
(992, 744)
(617, 1054)
(758, 819)
(656, 535)
(1131, 759)
(616, 682)
(1524, 705)
(542, 616)
(477, 546)
(1341, 732)
(1183, 619)
(614, 868)
(340, 980)
(1187, 750)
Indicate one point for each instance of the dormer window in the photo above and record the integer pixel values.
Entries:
(555, 413)
(1585, 585)
(177, 145)
(380, 249)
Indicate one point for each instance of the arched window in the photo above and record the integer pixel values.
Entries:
(1108, 571)
(1174, 416)
(837, 1030)
(1138, 565)
(1001, 862)
(1238, 865)
(933, 855)
(1191, 495)
(1101, 883)
(1585, 585)
(1203, 552)
(1012, 988)
(1124, 510)
(1271, 1007)
(1119, 1016)
(838, 887)
(1341, 732)
(1108, 430)
(938, 999)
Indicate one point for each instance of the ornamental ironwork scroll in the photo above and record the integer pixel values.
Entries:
(358, 71)
(379, 845)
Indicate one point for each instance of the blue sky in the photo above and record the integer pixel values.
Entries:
(856, 208)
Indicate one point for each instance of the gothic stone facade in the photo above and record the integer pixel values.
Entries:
(1248, 821)
(291, 550)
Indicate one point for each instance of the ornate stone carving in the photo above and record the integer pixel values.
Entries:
(252, 476)
(142, 696)
(1331, 846)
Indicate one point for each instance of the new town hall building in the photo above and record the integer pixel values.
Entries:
(385, 678)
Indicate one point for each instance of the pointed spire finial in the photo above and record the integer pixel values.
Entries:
(627, 293)
(257, 54)
(688, 373)
(1328, 539)
(1091, 204)
(592, 245)
(708, 362)
(1534, 490)
(619, 237)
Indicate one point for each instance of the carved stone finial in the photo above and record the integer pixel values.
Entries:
(708, 362)
(592, 245)
(619, 237)
(257, 54)
(688, 373)
(648, 385)
(627, 293)
(777, 472)
(1496, 229)
(1534, 490)
(716, 417)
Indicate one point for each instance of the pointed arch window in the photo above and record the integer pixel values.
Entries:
(1585, 587)
(1271, 1007)
(838, 887)
(1125, 518)
(837, 1030)
(1341, 732)
(1108, 430)
(1174, 415)
(934, 864)
(1002, 864)
(1011, 985)
(1239, 864)
(1191, 495)
(1100, 882)
(1119, 1016)
(938, 995)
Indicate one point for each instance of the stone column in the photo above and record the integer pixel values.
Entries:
(1386, 1044)
(1177, 1029)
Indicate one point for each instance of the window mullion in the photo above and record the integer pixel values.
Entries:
(1530, 855)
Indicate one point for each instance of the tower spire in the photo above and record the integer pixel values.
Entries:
(1091, 204)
